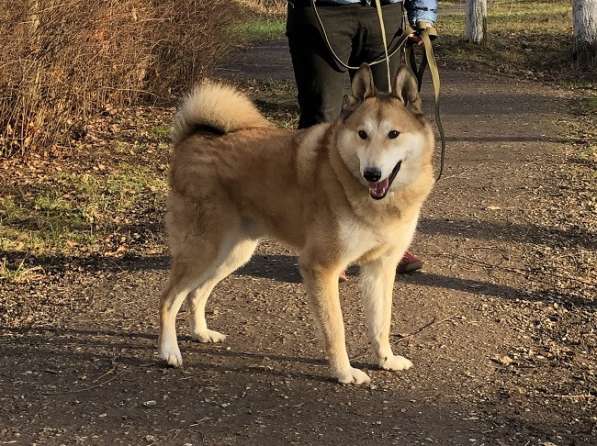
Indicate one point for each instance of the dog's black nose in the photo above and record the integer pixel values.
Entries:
(372, 174)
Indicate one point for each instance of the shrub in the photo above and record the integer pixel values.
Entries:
(65, 59)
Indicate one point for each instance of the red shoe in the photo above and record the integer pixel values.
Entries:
(409, 263)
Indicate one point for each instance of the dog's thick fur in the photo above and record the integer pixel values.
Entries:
(236, 178)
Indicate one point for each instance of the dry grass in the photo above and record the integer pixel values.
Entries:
(265, 7)
(19, 272)
(64, 60)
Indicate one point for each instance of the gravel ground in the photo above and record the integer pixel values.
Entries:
(500, 324)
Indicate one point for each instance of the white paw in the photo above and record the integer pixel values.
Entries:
(209, 336)
(170, 353)
(395, 363)
(353, 376)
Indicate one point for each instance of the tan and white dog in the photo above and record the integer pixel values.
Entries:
(340, 193)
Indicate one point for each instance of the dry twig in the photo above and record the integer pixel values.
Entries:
(434, 321)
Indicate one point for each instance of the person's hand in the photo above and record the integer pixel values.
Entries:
(423, 25)
(415, 39)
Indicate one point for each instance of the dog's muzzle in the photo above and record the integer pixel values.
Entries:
(379, 189)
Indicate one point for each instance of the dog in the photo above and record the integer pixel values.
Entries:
(340, 193)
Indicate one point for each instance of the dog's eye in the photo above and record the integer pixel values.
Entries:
(393, 134)
(362, 134)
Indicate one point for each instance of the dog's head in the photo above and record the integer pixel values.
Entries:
(383, 138)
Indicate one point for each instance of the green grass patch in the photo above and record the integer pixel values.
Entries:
(161, 132)
(71, 209)
(259, 29)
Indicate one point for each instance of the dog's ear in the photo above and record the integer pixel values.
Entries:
(349, 104)
(406, 89)
(362, 83)
(362, 88)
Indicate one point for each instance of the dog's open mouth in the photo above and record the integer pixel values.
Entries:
(380, 189)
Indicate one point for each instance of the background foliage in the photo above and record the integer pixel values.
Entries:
(63, 60)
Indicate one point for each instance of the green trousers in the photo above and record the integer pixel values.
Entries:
(355, 36)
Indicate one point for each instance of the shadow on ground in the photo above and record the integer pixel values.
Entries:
(96, 377)
(523, 233)
(284, 268)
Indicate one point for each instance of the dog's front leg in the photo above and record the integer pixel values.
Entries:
(377, 287)
(321, 284)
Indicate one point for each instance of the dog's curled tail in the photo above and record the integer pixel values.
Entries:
(216, 108)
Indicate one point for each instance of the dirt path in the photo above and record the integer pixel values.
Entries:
(500, 325)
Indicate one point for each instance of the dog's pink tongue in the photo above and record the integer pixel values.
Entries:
(378, 190)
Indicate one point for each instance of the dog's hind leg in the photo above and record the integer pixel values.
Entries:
(195, 271)
(238, 256)
(184, 277)
(377, 287)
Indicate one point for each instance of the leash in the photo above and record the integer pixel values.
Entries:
(386, 58)
(428, 60)
(385, 43)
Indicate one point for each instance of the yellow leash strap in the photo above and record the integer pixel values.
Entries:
(385, 43)
(430, 60)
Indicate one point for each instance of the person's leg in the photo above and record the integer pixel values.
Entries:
(371, 47)
(319, 79)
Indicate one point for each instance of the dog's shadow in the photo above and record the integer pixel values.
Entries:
(280, 268)
(284, 268)
(80, 347)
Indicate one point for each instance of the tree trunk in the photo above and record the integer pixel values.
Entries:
(584, 17)
(475, 23)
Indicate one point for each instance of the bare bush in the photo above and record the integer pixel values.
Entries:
(65, 59)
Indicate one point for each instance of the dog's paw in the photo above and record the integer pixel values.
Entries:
(395, 363)
(171, 354)
(354, 376)
(207, 336)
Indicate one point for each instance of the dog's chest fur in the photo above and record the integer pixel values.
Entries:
(363, 241)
